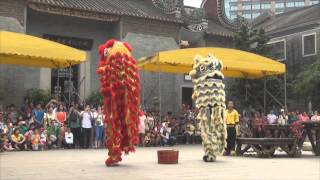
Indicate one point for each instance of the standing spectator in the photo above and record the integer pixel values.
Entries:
(303, 117)
(272, 118)
(94, 116)
(74, 124)
(38, 116)
(18, 140)
(283, 117)
(99, 128)
(86, 127)
(13, 114)
(48, 117)
(68, 138)
(232, 120)
(316, 116)
(292, 117)
(189, 133)
(257, 125)
(142, 127)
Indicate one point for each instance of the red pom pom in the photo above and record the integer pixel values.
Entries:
(110, 43)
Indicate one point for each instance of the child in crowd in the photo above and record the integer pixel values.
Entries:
(18, 140)
(43, 138)
(147, 139)
(35, 140)
(68, 138)
(7, 145)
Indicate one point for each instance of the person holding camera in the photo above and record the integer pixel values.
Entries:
(74, 124)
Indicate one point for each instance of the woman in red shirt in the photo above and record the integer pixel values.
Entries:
(61, 117)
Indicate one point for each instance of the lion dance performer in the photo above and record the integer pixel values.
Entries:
(121, 97)
(209, 97)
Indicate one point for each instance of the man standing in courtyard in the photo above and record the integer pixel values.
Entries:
(232, 121)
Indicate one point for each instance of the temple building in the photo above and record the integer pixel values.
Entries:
(148, 25)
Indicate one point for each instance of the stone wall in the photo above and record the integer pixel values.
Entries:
(150, 27)
(13, 8)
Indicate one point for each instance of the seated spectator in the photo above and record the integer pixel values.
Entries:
(165, 134)
(7, 146)
(316, 116)
(53, 133)
(18, 140)
(43, 137)
(35, 140)
(155, 137)
(189, 133)
(283, 117)
(303, 117)
(68, 138)
(272, 118)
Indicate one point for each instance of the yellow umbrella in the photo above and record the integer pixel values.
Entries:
(26, 50)
(236, 63)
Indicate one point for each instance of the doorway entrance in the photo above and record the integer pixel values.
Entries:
(186, 95)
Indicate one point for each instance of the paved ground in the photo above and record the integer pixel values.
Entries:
(89, 164)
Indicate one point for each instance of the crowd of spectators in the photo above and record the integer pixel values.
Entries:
(169, 130)
(258, 119)
(50, 126)
(54, 125)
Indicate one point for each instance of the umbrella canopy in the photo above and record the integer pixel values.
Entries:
(26, 50)
(236, 63)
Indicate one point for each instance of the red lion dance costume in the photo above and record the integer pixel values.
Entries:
(121, 92)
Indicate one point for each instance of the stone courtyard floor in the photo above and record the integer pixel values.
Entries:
(89, 164)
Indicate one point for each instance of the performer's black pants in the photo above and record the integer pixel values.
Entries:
(231, 138)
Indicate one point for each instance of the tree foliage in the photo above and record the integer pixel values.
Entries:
(250, 92)
(307, 82)
(38, 96)
(95, 98)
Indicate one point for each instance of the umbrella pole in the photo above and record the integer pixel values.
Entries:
(264, 94)
(159, 83)
(285, 90)
(70, 87)
(58, 83)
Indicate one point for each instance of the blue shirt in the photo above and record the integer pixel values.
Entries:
(38, 115)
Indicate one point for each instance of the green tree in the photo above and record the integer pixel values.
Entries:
(250, 92)
(307, 83)
(95, 98)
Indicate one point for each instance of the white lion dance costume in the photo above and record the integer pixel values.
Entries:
(209, 97)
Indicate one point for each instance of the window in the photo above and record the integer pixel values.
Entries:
(279, 11)
(233, 16)
(254, 15)
(233, 8)
(290, 4)
(255, 6)
(246, 7)
(279, 5)
(299, 4)
(246, 15)
(278, 49)
(265, 6)
(314, 2)
(309, 44)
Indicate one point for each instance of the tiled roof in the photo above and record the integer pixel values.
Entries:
(137, 8)
(301, 17)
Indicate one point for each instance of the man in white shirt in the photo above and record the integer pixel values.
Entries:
(142, 127)
(272, 118)
(86, 127)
